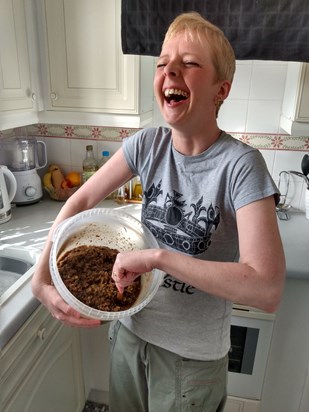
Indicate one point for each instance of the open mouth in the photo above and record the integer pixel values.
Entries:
(175, 95)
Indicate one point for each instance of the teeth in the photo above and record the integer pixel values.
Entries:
(179, 92)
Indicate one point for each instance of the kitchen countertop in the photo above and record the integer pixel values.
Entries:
(29, 227)
(30, 224)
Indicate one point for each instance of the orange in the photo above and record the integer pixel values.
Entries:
(74, 178)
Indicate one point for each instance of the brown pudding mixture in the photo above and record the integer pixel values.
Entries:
(87, 273)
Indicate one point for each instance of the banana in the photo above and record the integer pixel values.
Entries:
(53, 167)
(47, 180)
(56, 176)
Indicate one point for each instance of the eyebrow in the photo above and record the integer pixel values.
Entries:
(186, 53)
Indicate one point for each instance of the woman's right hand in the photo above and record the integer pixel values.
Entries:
(59, 309)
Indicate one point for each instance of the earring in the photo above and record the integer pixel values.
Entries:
(218, 102)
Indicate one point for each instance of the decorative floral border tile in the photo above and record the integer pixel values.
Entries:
(274, 141)
(80, 132)
(257, 140)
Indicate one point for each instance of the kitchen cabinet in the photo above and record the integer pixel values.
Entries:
(41, 368)
(17, 91)
(241, 405)
(286, 385)
(86, 70)
(295, 108)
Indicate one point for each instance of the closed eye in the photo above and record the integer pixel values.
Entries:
(190, 63)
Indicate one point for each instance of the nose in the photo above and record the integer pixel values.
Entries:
(171, 69)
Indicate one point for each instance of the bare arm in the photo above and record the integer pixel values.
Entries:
(112, 175)
(256, 280)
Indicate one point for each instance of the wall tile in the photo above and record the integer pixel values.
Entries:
(287, 160)
(268, 81)
(58, 151)
(233, 115)
(112, 147)
(263, 116)
(241, 83)
(269, 157)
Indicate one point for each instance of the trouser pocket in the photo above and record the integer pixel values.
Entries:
(202, 385)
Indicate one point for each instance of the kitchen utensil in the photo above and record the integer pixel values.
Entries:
(24, 156)
(307, 203)
(305, 165)
(104, 227)
(8, 188)
(299, 174)
(283, 186)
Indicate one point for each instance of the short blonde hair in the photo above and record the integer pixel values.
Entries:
(222, 53)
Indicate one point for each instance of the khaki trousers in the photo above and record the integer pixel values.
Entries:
(146, 378)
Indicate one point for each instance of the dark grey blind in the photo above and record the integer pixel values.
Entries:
(257, 29)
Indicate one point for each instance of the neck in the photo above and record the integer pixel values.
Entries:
(194, 144)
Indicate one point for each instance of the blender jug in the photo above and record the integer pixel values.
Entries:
(27, 154)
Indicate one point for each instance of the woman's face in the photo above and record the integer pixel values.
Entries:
(185, 82)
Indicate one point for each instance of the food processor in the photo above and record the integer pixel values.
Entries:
(24, 156)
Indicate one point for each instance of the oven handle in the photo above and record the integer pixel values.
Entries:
(249, 312)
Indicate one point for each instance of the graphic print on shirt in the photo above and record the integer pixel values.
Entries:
(183, 227)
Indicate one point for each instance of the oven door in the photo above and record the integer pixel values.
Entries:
(251, 332)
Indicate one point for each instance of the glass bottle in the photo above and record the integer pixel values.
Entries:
(104, 158)
(137, 190)
(90, 165)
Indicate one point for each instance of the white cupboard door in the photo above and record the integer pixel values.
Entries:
(234, 404)
(15, 79)
(295, 105)
(54, 382)
(303, 104)
(87, 70)
(304, 403)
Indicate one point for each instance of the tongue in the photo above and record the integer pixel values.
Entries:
(175, 99)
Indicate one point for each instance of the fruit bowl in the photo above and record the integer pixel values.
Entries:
(61, 194)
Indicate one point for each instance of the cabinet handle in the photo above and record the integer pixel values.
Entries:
(42, 334)
(33, 97)
(53, 96)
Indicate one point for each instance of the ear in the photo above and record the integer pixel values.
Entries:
(224, 89)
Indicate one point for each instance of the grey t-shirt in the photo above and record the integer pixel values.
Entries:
(189, 204)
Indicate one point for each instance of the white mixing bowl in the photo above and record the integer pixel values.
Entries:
(104, 227)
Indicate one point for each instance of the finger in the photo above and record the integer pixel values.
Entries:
(120, 289)
(76, 321)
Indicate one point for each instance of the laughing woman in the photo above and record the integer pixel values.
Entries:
(210, 202)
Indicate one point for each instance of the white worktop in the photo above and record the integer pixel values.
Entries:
(30, 224)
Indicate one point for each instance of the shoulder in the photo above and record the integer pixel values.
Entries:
(233, 144)
(237, 151)
(149, 137)
(150, 132)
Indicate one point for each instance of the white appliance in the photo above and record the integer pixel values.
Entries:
(8, 188)
(29, 187)
(24, 156)
(251, 334)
